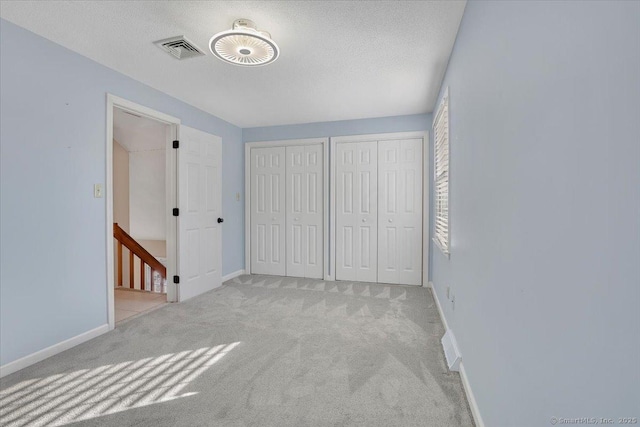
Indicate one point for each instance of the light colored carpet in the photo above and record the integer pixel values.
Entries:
(259, 351)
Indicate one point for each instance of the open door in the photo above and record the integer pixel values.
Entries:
(200, 213)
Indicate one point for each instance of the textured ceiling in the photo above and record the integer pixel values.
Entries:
(137, 133)
(339, 59)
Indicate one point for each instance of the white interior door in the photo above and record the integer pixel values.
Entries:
(357, 211)
(200, 204)
(304, 212)
(268, 211)
(400, 211)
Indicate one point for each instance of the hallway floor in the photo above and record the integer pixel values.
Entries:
(130, 303)
(258, 351)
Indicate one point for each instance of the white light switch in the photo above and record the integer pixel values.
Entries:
(97, 191)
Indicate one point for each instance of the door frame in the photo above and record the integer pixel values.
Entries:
(325, 197)
(171, 195)
(425, 190)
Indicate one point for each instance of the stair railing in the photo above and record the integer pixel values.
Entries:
(135, 249)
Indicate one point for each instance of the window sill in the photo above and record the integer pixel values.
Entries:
(444, 250)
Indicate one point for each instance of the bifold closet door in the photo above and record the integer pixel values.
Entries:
(356, 211)
(304, 211)
(400, 211)
(268, 211)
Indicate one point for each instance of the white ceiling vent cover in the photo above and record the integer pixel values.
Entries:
(179, 47)
(244, 45)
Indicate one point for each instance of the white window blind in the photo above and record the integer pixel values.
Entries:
(441, 180)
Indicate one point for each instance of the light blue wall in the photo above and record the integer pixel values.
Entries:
(545, 209)
(416, 122)
(52, 143)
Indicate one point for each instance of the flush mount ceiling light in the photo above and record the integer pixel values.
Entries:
(244, 45)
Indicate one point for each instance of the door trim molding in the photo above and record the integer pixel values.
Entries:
(247, 194)
(424, 135)
(171, 186)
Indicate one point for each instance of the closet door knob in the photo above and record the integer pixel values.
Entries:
(296, 219)
(364, 219)
(220, 220)
(390, 220)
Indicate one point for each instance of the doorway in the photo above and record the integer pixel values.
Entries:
(139, 213)
(141, 190)
(193, 211)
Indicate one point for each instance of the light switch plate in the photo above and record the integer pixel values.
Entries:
(97, 191)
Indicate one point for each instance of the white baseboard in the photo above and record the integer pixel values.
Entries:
(475, 410)
(232, 275)
(38, 356)
(435, 298)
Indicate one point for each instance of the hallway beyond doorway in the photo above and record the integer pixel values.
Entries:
(130, 303)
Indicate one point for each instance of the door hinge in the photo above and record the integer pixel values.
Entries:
(176, 212)
(176, 279)
(176, 144)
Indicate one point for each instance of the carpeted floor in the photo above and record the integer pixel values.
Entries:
(259, 351)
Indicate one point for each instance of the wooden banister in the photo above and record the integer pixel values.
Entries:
(124, 239)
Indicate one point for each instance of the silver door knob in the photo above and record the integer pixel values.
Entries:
(390, 220)
(296, 219)
(273, 219)
(364, 219)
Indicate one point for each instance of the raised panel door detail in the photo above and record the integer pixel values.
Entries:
(209, 244)
(268, 211)
(400, 211)
(356, 229)
(312, 247)
(275, 244)
(304, 211)
(193, 187)
(260, 241)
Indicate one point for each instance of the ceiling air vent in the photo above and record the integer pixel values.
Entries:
(179, 47)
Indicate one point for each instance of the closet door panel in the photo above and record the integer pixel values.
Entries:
(400, 211)
(389, 226)
(356, 211)
(346, 215)
(304, 211)
(268, 211)
(295, 213)
(314, 212)
(367, 203)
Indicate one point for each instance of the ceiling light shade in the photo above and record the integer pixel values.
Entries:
(244, 45)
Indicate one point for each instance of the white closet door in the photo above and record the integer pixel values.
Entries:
(356, 211)
(400, 211)
(200, 204)
(304, 211)
(268, 211)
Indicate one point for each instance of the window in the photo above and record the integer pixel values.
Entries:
(441, 179)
